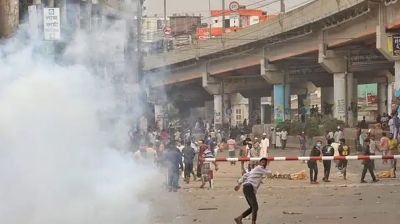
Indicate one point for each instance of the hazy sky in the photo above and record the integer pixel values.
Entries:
(202, 6)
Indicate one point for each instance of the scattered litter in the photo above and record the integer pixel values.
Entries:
(386, 174)
(291, 213)
(289, 176)
(206, 209)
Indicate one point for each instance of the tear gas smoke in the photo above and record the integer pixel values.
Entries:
(63, 140)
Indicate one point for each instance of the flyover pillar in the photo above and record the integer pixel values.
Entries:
(281, 90)
(159, 112)
(327, 101)
(344, 94)
(221, 104)
(254, 110)
(382, 98)
(397, 78)
(281, 97)
(344, 85)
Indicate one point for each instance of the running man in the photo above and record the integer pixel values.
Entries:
(251, 182)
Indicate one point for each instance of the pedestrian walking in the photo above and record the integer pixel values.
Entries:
(231, 148)
(344, 150)
(173, 158)
(188, 154)
(312, 164)
(302, 141)
(367, 163)
(243, 153)
(284, 135)
(373, 147)
(338, 134)
(264, 145)
(384, 146)
(252, 153)
(327, 150)
(393, 150)
(251, 182)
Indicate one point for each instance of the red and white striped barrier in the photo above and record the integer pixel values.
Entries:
(302, 158)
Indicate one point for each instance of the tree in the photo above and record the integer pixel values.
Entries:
(9, 17)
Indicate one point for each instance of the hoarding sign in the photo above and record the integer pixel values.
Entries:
(396, 44)
(51, 22)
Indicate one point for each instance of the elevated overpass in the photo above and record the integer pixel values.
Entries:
(324, 43)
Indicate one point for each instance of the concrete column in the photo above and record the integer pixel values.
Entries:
(287, 102)
(9, 17)
(159, 116)
(218, 110)
(345, 99)
(327, 101)
(209, 110)
(390, 96)
(339, 95)
(397, 78)
(351, 103)
(382, 98)
(254, 110)
(281, 98)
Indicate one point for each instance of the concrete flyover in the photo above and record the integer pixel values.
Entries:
(324, 44)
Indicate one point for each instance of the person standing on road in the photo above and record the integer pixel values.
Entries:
(327, 150)
(251, 182)
(302, 141)
(188, 154)
(264, 145)
(344, 150)
(244, 153)
(338, 134)
(252, 153)
(393, 150)
(312, 164)
(367, 163)
(284, 135)
(173, 159)
(384, 146)
(231, 148)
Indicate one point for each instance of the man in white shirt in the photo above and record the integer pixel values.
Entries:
(264, 145)
(284, 135)
(231, 148)
(251, 182)
(338, 134)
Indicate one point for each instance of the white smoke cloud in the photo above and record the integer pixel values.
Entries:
(63, 142)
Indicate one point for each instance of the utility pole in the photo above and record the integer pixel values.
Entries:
(209, 10)
(223, 16)
(165, 40)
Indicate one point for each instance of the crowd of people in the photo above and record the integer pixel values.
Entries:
(185, 150)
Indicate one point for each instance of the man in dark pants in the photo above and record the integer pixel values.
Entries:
(173, 159)
(344, 150)
(312, 164)
(327, 150)
(251, 182)
(367, 163)
(188, 154)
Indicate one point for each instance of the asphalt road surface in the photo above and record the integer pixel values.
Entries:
(285, 201)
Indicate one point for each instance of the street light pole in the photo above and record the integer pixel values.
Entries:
(223, 16)
(165, 43)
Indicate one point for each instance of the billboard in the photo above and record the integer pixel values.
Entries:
(51, 22)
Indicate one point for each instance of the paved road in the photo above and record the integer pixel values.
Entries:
(286, 201)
